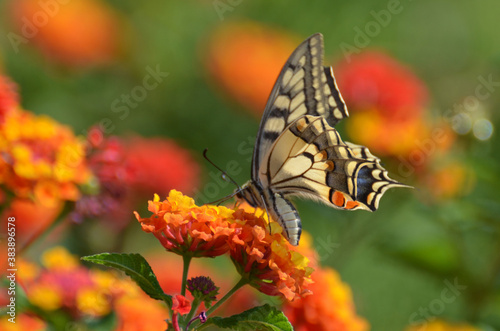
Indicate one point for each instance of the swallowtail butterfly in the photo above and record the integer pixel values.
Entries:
(299, 153)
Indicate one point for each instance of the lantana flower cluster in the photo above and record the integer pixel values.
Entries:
(41, 158)
(263, 258)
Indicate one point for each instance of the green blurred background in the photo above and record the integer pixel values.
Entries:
(397, 260)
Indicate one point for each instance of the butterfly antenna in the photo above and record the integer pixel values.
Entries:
(224, 175)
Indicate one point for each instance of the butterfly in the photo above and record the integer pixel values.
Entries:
(299, 153)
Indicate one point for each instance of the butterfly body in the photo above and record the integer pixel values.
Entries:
(299, 153)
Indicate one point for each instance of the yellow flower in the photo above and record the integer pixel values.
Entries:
(58, 258)
(93, 302)
(46, 296)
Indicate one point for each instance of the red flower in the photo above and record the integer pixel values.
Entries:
(160, 165)
(374, 80)
(9, 98)
(181, 305)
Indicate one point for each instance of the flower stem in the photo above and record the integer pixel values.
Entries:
(194, 308)
(186, 259)
(235, 288)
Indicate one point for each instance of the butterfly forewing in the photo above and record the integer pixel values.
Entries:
(304, 87)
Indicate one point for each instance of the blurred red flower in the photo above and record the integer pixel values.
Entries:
(245, 60)
(9, 98)
(160, 165)
(107, 195)
(387, 104)
(374, 80)
(75, 33)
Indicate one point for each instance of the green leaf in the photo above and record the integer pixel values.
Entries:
(135, 266)
(259, 318)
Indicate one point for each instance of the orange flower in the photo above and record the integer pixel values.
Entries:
(76, 32)
(440, 325)
(330, 307)
(131, 310)
(184, 228)
(250, 54)
(266, 258)
(32, 219)
(22, 322)
(41, 158)
(448, 180)
(413, 141)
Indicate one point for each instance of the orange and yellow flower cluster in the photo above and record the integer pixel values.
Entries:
(63, 286)
(265, 259)
(41, 158)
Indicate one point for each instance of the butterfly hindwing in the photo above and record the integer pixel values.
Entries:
(304, 87)
(310, 159)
